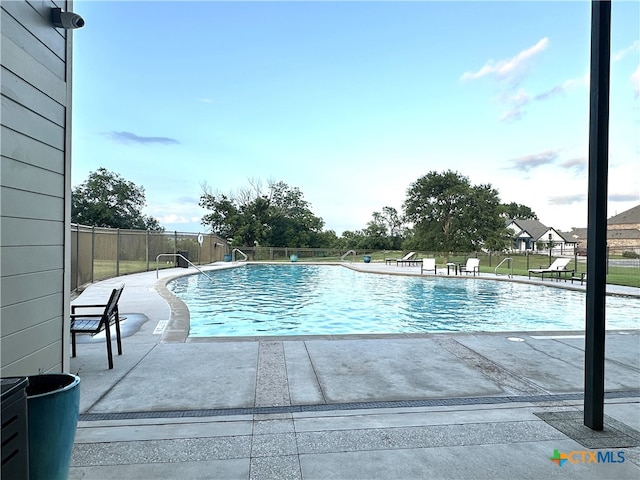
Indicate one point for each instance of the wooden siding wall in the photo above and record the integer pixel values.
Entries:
(34, 189)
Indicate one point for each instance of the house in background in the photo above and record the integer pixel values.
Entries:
(35, 189)
(531, 234)
(579, 235)
(623, 233)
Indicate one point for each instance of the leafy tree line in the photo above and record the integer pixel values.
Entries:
(442, 212)
(277, 217)
(105, 199)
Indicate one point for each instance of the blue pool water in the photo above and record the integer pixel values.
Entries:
(327, 300)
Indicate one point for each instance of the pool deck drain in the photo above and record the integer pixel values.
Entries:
(440, 402)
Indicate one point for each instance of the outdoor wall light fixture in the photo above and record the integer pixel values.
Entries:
(66, 20)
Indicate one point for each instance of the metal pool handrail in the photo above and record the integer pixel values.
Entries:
(182, 257)
(509, 261)
(240, 252)
(349, 252)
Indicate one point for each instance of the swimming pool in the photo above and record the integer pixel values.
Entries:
(332, 300)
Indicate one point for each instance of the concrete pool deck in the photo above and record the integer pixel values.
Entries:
(370, 406)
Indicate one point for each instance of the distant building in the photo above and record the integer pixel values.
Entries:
(533, 235)
(579, 235)
(623, 233)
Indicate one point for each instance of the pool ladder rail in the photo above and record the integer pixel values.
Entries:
(509, 261)
(233, 257)
(178, 255)
(350, 252)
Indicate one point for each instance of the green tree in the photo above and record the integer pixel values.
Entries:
(388, 224)
(375, 237)
(449, 214)
(224, 218)
(242, 223)
(328, 239)
(281, 218)
(515, 210)
(355, 240)
(106, 199)
(292, 222)
(254, 225)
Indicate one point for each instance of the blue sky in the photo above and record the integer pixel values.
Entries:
(351, 102)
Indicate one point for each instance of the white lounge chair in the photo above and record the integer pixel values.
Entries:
(429, 265)
(472, 265)
(555, 269)
(406, 258)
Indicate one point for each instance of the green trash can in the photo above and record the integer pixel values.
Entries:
(53, 405)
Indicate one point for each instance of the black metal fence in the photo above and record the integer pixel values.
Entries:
(101, 253)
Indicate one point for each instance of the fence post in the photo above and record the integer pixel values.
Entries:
(146, 249)
(175, 242)
(78, 256)
(117, 252)
(93, 252)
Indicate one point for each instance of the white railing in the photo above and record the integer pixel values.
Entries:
(350, 252)
(178, 255)
(509, 261)
(240, 252)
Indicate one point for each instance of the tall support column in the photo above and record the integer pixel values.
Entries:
(597, 214)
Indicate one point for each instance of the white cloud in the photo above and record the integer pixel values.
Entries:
(635, 81)
(567, 199)
(520, 99)
(511, 72)
(619, 55)
(512, 69)
(578, 164)
(527, 162)
(129, 137)
(516, 103)
(173, 218)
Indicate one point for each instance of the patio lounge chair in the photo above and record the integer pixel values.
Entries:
(406, 258)
(557, 268)
(582, 278)
(96, 322)
(429, 265)
(472, 265)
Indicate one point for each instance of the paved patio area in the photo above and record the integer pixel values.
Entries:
(386, 406)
